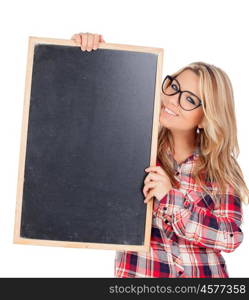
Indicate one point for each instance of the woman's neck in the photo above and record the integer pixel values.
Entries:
(184, 144)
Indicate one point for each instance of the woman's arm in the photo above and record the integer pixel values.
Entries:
(195, 218)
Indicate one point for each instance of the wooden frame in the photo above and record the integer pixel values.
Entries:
(17, 238)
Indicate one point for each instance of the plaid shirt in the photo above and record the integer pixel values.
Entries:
(188, 232)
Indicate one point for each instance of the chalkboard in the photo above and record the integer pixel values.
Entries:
(90, 127)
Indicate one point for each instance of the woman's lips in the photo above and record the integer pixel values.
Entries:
(166, 114)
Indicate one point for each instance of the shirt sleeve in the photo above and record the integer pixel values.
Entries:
(195, 217)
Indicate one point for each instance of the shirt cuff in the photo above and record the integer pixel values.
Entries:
(173, 200)
(189, 212)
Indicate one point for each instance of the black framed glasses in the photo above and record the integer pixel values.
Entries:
(187, 100)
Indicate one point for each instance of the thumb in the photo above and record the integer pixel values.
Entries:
(149, 196)
(101, 39)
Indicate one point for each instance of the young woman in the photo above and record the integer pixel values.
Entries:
(197, 184)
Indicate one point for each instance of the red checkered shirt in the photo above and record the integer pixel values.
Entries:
(189, 231)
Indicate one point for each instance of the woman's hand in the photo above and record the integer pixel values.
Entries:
(88, 41)
(157, 181)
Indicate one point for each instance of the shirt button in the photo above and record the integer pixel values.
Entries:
(177, 173)
(186, 204)
(165, 208)
(166, 221)
(231, 234)
(180, 272)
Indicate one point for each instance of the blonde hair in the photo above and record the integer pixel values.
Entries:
(217, 141)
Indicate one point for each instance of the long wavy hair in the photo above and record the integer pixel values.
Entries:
(217, 168)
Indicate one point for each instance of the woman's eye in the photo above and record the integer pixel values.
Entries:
(174, 87)
(191, 100)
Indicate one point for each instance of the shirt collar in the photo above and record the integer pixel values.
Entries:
(194, 155)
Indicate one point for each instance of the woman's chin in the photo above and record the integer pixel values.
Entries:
(163, 124)
(163, 121)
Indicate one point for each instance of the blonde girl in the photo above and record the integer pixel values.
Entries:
(197, 183)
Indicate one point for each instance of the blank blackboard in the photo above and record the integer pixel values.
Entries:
(90, 126)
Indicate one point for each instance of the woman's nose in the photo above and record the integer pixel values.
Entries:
(174, 99)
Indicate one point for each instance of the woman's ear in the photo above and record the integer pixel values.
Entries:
(202, 123)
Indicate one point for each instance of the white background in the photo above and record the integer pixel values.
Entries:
(215, 32)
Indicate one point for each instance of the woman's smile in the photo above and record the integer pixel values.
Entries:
(169, 113)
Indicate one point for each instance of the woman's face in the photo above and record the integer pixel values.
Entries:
(185, 120)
